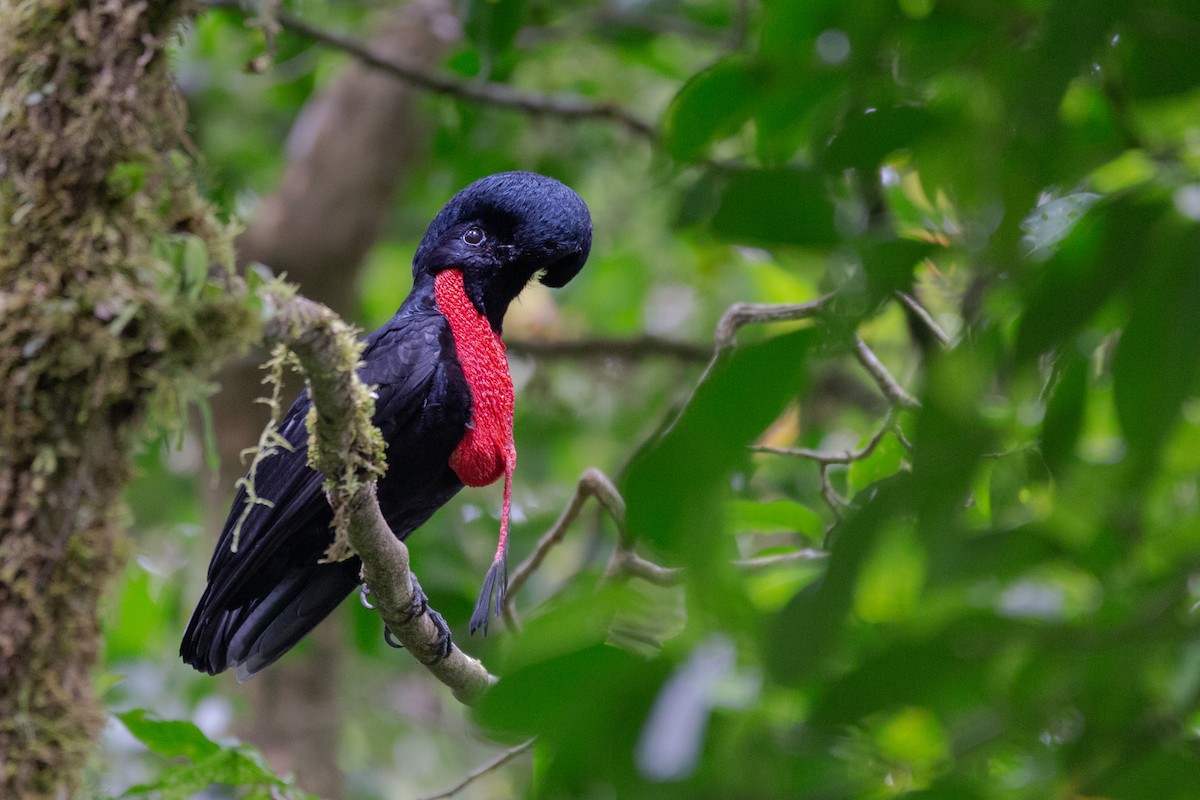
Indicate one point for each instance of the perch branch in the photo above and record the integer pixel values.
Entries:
(347, 448)
(501, 95)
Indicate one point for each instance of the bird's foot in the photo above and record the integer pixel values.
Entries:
(420, 601)
(364, 594)
(444, 643)
(419, 606)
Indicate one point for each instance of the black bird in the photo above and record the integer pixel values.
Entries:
(444, 405)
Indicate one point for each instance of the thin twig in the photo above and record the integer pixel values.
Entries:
(833, 456)
(640, 347)
(592, 483)
(921, 313)
(762, 563)
(497, 762)
(563, 106)
(891, 389)
(825, 458)
(624, 562)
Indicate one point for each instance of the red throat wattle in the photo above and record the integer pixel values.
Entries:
(487, 450)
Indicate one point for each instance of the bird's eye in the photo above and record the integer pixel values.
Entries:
(474, 236)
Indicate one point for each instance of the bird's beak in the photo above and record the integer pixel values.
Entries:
(559, 272)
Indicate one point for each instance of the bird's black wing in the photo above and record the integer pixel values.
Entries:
(267, 594)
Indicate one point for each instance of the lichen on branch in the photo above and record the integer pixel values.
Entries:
(344, 444)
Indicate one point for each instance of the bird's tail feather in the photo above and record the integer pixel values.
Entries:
(251, 637)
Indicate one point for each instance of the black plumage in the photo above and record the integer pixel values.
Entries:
(264, 597)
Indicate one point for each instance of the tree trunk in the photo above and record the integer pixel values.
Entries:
(104, 250)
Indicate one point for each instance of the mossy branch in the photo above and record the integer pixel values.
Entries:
(346, 446)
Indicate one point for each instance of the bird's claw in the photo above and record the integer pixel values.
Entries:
(444, 643)
(364, 592)
(419, 606)
(420, 602)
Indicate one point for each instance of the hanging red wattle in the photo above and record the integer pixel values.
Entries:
(487, 450)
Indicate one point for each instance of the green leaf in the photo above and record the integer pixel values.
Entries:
(127, 178)
(780, 516)
(1156, 363)
(1099, 256)
(885, 460)
(776, 206)
(868, 137)
(492, 25)
(676, 485)
(673, 486)
(573, 701)
(1052, 221)
(1072, 35)
(1158, 774)
(804, 632)
(240, 767)
(889, 266)
(170, 738)
(710, 107)
(207, 764)
(1011, 491)
(194, 267)
(1160, 58)
(950, 439)
(891, 580)
(922, 671)
(770, 589)
(1063, 421)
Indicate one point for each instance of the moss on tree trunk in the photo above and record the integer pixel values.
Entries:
(107, 317)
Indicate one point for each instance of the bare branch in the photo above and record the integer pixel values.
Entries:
(763, 563)
(497, 762)
(626, 562)
(921, 313)
(825, 458)
(891, 389)
(347, 448)
(592, 483)
(563, 106)
(640, 347)
(834, 500)
(741, 314)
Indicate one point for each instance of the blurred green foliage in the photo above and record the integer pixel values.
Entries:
(201, 763)
(1004, 601)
